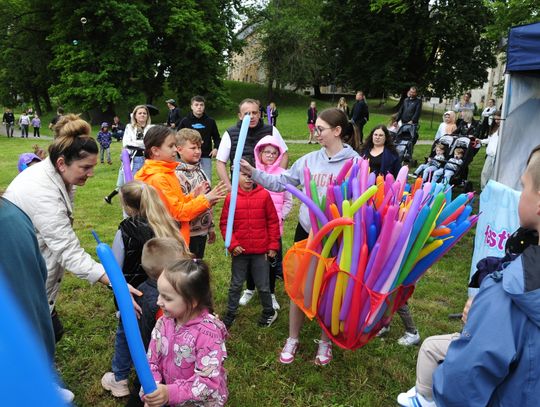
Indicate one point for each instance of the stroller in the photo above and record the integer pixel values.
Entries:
(405, 139)
(451, 142)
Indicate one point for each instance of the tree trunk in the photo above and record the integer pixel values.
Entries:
(35, 101)
(316, 91)
(270, 90)
(47, 99)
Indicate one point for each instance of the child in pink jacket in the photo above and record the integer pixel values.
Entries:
(268, 155)
(187, 348)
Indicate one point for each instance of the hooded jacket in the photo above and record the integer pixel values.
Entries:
(282, 200)
(256, 225)
(190, 176)
(496, 360)
(40, 192)
(189, 360)
(161, 175)
(322, 169)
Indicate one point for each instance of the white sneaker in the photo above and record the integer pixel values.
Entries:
(324, 352)
(117, 388)
(288, 351)
(275, 304)
(414, 399)
(384, 330)
(66, 395)
(409, 339)
(246, 297)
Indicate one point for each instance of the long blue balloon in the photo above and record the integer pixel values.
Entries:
(235, 177)
(26, 376)
(129, 320)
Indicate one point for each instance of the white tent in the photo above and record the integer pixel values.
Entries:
(520, 129)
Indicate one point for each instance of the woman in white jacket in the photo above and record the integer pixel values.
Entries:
(45, 192)
(133, 141)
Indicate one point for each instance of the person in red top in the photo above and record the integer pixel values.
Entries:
(255, 238)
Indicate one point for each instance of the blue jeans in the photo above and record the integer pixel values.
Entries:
(121, 361)
(206, 165)
(105, 151)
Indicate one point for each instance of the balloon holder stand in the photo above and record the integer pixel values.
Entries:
(364, 315)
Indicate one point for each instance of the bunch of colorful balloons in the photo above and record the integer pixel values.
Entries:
(372, 238)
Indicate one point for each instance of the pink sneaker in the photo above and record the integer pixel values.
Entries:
(324, 352)
(288, 351)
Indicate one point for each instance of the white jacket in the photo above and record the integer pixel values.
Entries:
(40, 192)
(129, 139)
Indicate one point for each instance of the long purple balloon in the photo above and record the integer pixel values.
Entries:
(126, 166)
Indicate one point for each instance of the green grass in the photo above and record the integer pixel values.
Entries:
(371, 376)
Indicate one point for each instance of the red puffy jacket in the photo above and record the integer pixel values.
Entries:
(256, 224)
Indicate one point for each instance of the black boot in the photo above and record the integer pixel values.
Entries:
(109, 197)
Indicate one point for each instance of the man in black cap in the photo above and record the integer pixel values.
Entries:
(174, 117)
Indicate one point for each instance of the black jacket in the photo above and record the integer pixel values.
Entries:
(135, 233)
(410, 110)
(175, 117)
(360, 113)
(8, 117)
(207, 127)
(254, 135)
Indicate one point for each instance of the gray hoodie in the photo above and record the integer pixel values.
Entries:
(321, 167)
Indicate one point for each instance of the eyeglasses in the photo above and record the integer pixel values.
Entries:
(270, 153)
(320, 129)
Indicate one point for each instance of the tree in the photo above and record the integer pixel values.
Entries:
(294, 52)
(509, 13)
(388, 45)
(24, 54)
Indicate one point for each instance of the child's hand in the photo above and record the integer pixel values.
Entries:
(238, 250)
(211, 237)
(158, 398)
(272, 253)
(202, 188)
(217, 194)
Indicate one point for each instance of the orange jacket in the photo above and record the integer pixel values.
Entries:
(183, 208)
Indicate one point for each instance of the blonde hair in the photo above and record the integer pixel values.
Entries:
(160, 252)
(134, 120)
(72, 140)
(467, 115)
(533, 167)
(145, 201)
(185, 134)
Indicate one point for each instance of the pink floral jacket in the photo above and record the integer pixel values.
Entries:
(189, 360)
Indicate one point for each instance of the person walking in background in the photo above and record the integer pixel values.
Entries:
(206, 126)
(9, 121)
(411, 108)
(343, 106)
(465, 103)
(487, 118)
(360, 114)
(104, 138)
(273, 114)
(311, 119)
(174, 117)
(24, 122)
(36, 124)
(54, 120)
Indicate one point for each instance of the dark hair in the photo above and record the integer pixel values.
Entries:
(335, 117)
(72, 140)
(191, 280)
(197, 98)
(388, 140)
(494, 125)
(155, 137)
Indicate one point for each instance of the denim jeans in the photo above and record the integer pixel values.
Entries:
(10, 128)
(121, 361)
(102, 152)
(206, 165)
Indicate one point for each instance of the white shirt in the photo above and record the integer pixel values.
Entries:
(224, 150)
